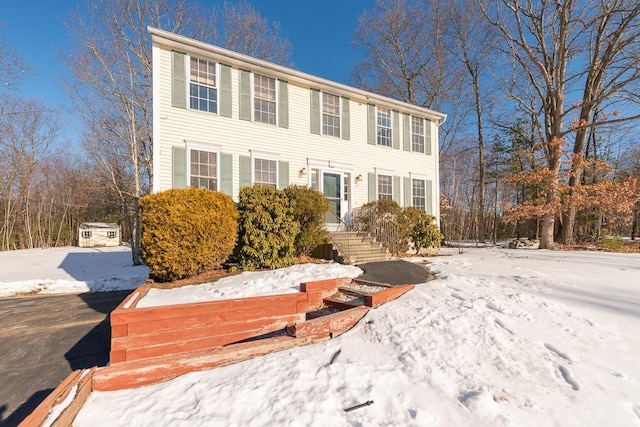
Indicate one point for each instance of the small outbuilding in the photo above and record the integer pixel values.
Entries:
(97, 234)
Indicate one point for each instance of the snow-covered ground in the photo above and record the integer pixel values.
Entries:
(502, 337)
(69, 270)
(280, 281)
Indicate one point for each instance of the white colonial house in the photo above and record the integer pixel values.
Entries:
(223, 120)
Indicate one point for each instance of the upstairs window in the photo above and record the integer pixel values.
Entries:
(264, 99)
(330, 115)
(418, 194)
(203, 92)
(385, 187)
(265, 173)
(203, 169)
(417, 134)
(383, 129)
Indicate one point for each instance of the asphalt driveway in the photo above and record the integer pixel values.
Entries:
(43, 339)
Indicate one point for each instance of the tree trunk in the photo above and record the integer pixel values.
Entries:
(135, 233)
(546, 235)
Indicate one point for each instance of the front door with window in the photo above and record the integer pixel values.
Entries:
(335, 187)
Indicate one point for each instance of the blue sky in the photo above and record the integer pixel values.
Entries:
(320, 32)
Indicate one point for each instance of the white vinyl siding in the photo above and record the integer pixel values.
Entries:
(240, 139)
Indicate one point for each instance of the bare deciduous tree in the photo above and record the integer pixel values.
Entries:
(574, 55)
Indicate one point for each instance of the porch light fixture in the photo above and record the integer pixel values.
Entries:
(358, 179)
(302, 172)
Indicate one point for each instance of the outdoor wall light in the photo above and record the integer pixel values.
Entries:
(302, 172)
(358, 179)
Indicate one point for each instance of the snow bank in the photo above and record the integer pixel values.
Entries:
(68, 270)
(257, 283)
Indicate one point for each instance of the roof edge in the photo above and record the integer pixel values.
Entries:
(177, 41)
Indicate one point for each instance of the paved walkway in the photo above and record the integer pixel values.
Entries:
(43, 339)
(396, 272)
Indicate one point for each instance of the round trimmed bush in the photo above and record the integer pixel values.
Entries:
(186, 231)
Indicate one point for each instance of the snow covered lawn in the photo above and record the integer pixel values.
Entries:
(69, 270)
(502, 337)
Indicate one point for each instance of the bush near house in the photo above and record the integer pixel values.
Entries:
(186, 231)
(309, 208)
(267, 229)
(418, 228)
(365, 216)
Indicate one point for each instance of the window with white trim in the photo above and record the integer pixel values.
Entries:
(86, 233)
(330, 115)
(385, 187)
(203, 92)
(111, 234)
(265, 172)
(264, 99)
(417, 134)
(418, 194)
(203, 169)
(383, 127)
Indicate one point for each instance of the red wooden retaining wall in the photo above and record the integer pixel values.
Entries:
(139, 333)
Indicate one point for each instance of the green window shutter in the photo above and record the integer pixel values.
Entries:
(371, 182)
(429, 195)
(407, 193)
(283, 104)
(225, 90)
(315, 112)
(427, 136)
(245, 171)
(245, 95)
(406, 133)
(226, 173)
(395, 130)
(179, 167)
(371, 125)
(283, 174)
(346, 119)
(396, 190)
(178, 81)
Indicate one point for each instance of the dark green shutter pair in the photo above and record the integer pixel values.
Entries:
(372, 185)
(179, 170)
(372, 124)
(245, 99)
(245, 172)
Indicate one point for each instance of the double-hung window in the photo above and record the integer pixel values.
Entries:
(330, 115)
(203, 91)
(265, 172)
(417, 134)
(111, 234)
(385, 187)
(203, 169)
(418, 194)
(264, 99)
(383, 129)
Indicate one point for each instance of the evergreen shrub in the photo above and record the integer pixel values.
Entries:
(418, 228)
(368, 212)
(186, 231)
(309, 209)
(267, 229)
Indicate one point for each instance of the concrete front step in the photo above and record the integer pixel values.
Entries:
(353, 247)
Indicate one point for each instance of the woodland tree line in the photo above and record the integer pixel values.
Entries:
(542, 97)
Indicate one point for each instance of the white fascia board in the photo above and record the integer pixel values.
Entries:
(239, 60)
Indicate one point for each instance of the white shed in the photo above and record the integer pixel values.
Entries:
(92, 234)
